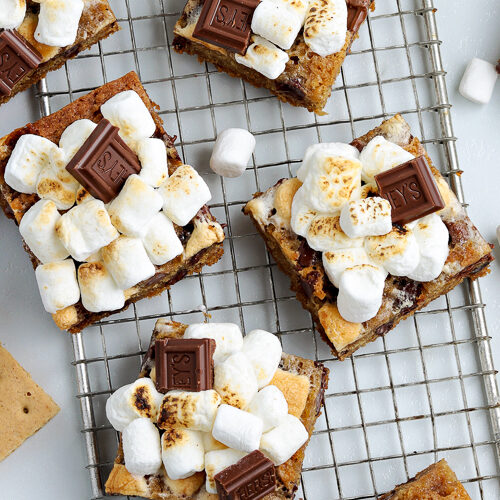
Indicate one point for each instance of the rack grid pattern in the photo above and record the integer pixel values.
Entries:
(428, 389)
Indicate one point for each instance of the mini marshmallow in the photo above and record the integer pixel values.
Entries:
(82, 196)
(264, 57)
(211, 444)
(366, 217)
(235, 380)
(38, 228)
(75, 135)
(270, 405)
(58, 285)
(498, 234)
(182, 452)
(85, 229)
(12, 13)
(98, 289)
(152, 154)
(134, 207)
(26, 161)
(478, 81)
(326, 235)
(58, 22)
(263, 349)
(216, 461)
(302, 215)
(232, 151)
(237, 429)
(227, 336)
(141, 447)
(284, 440)
(184, 193)
(325, 28)
(161, 241)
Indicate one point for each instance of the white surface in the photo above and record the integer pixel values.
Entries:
(50, 465)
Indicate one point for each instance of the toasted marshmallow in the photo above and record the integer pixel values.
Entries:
(380, 155)
(26, 161)
(58, 285)
(12, 13)
(85, 229)
(227, 336)
(325, 28)
(132, 210)
(152, 154)
(237, 429)
(216, 461)
(211, 444)
(270, 405)
(128, 112)
(232, 151)
(264, 57)
(284, 440)
(432, 238)
(182, 452)
(366, 217)
(141, 447)
(326, 235)
(99, 290)
(82, 196)
(184, 193)
(263, 349)
(75, 135)
(302, 215)
(58, 22)
(160, 240)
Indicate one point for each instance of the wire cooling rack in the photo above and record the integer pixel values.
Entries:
(425, 391)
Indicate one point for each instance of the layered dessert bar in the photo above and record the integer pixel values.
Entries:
(214, 415)
(108, 212)
(369, 233)
(294, 48)
(40, 36)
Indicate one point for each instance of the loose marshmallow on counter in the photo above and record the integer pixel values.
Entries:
(58, 22)
(160, 240)
(134, 207)
(216, 461)
(182, 452)
(478, 81)
(232, 151)
(85, 229)
(38, 228)
(366, 217)
(270, 405)
(237, 429)
(58, 285)
(75, 135)
(152, 154)
(264, 350)
(264, 57)
(227, 336)
(284, 440)
(184, 193)
(326, 235)
(12, 13)
(325, 28)
(141, 447)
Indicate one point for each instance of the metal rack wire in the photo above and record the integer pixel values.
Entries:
(426, 391)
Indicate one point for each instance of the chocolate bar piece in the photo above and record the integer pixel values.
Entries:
(184, 364)
(250, 478)
(411, 190)
(104, 162)
(357, 10)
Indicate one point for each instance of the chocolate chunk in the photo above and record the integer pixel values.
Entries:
(104, 162)
(226, 23)
(250, 478)
(184, 364)
(357, 10)
(411, 190)
(17, 58)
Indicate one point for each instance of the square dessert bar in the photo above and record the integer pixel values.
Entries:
(139, 225)
(447, 243)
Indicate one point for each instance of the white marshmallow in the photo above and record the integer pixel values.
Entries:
(270, 405)
(141, 447)
(325, 28)
(85, 229)
(264, 57)
(128, 112)
(58, 285)
(161, 241)
(182, 452)
(75, 135)
(237, 429)
(152, 154)
(284, 440)
(232, 151)
(216, 461)
(326, 235)
(132, 210)
(302, 215)
(432, 237)
(58, 22)
(235, 380)
(12, 13)
(184, 193)
(127, 261)
(26, 161)
(227, 336)
(38, 228)
(98, 289)
(263, 349)
(478, 81)
(366, 217)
